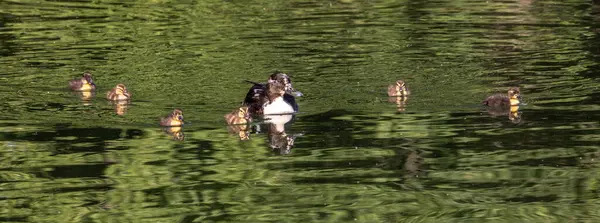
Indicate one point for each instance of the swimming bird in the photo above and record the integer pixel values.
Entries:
(173, 119)
(398, 89)
(86, 83)
(258, 95)
(118, 93)
(512, 98)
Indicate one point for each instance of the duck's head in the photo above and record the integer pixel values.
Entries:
(398, 89)
(243, 113)
(514, 94)
(275, 89)
(87, 79)
(400, 83)
(284, 79)
(120, 89)
(177, 114)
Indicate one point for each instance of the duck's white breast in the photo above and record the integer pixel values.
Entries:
(278, 106)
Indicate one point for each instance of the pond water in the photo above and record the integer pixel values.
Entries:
(358, 156)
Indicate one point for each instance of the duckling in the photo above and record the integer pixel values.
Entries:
(399, 89)
(238, 116)
(173, 119)
(86, 83)
(513, 98)
(118, 93)
(237, 122)
(255, 97)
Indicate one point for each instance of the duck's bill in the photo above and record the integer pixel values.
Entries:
(296, 93)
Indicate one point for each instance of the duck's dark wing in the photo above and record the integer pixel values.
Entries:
(291, 100)
(75, 84)
(254, 94)
(497, 100)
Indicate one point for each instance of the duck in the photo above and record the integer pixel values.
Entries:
(274, 101)
(398, 90)
(512, 98)
(118, 93)
(257, 94)
(86, 83)
(173, 119)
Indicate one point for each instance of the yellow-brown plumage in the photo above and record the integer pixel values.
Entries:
(237, 122)
(173, 119)
(398, 89)
(86, 83)
(118, 93)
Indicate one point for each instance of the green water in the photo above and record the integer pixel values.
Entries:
(439, 157)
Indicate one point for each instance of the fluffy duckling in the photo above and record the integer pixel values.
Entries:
(398, 89)
(118, 93)
(238, 117)
(237, 122)
(86, 83)
(173, 119)
(513, 98)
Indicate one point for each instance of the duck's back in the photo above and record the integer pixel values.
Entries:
(497, 100)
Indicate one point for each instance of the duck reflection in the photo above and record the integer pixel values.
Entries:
(238, 122)
(176, 132)
(279, 141)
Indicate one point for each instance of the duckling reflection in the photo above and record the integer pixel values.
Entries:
(120, 107)
(86, 96)
(176, 132)
(119, 96)
(399, 101)
(238, 122)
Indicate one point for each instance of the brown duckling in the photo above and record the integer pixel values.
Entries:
(399, 89)
(173, 119)
(513, 98)
(118, 93)
(237, 122)
(86, 83)
(238, 117)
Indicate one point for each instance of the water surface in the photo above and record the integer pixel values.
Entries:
(357, 156)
